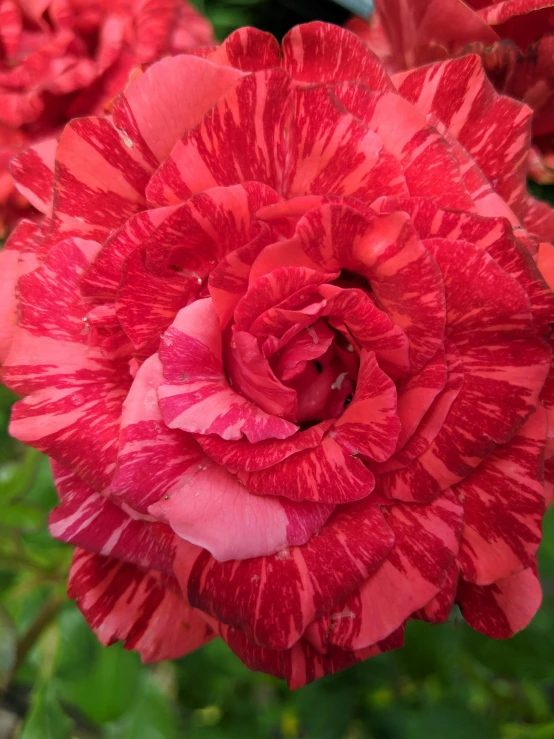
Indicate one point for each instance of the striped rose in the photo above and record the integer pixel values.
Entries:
(283, 334)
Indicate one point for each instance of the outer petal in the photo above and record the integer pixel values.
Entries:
(33, 172)
(73, 408)
(320, 52)
(99, 183)
(16, 257)
(333, 153)
(494, 235)
(247, 49)
(501, 386)
(302, 664)
(273, 599)
(91, 521)
(502, 609)
(416, 144)
(156, 109)
(239, 140)
(494, 129)
(504, 506)
(144, 608)
(427, 540)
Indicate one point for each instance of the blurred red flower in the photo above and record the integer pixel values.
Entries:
(514, 37)
(62, 58)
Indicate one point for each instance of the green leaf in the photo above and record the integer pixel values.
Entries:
(23, 517)
(46, 720)
(108, 687)
(8, 646)
(152, 715)
(17, 477)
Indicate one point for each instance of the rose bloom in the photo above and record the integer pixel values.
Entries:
(61, 58)
(283, 334)
(514, 37)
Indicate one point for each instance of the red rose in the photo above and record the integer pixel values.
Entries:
(343, 425)
(61, 58)
(514, 37)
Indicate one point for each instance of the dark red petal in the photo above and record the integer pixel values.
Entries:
(302, 664)
(90, 521)
(439, 608)
(242, 455)
(326, 474)
(427, 540)
(273, 599)
(319, 52)
(144, 608)
(502, 609)
(504, 505)
(370, 425)
(33, 172)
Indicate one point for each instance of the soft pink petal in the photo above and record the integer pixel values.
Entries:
(156, 109)
(213, 510)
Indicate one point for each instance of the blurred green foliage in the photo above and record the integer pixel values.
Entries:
(58, 682)
(275, 16)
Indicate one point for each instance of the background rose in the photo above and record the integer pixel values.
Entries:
(344, 424)
(514, 37)
(61, 58)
